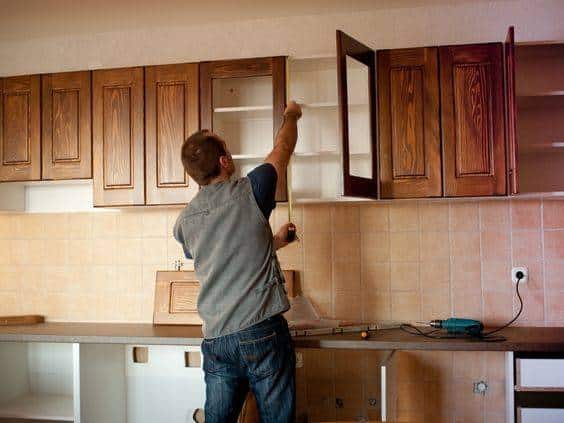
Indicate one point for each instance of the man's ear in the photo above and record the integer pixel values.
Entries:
(224, 161)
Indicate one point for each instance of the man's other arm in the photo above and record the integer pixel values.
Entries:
(286, 139)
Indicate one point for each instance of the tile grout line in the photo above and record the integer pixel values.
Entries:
(482, 299)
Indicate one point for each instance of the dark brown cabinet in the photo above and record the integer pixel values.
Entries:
(118, 137)
(171, 115)
(472, 119)
(66, 126)
(244, 101)
(408, 116)
(20, 149)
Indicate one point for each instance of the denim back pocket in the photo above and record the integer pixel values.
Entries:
(264, 355)
(216, 357)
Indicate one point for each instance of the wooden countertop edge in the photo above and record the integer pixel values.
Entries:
(543, 339)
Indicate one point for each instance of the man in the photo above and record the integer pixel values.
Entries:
(225, 230)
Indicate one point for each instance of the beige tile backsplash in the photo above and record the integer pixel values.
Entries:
(407, 260)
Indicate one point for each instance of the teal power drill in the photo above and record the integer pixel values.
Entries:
(456, 326)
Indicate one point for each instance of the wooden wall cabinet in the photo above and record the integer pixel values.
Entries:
(66, 126)
(472, 119)
(20, 149)
(409, 125)
(118, 137)
(171, 115)
(244, 101)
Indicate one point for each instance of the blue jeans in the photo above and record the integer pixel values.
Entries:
(260, 358)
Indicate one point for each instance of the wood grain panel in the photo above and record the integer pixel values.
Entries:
(118, 151)
(409, 136)
(473, 119)
(66, 126)
(172, 114)
(473, 129)
(246, 68)
(118, 137)
(408, 157)
(20, 148)
(183, 297)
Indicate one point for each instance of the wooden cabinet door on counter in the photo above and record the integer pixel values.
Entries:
(171, 115)
(20, 149)
(409, 134)
(472, 117)
(118, 137)
(66, 126)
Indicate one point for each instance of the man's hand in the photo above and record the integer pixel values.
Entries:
(293, 109)
(281, 237)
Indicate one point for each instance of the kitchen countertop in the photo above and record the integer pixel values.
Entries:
(549, 339)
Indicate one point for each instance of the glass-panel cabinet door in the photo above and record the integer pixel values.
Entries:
(356, 70)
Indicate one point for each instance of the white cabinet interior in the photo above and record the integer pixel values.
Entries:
(317, 165)
(37, 381)
(242, 115)
(169, 386)
(539, 84)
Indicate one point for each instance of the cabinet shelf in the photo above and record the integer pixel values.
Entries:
(238, 109)
(541, 100)
(40, 407)
(549, 147)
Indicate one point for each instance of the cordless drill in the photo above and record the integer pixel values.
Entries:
(454, 325)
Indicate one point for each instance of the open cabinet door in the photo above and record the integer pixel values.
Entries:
(511, 112)
(356, 72)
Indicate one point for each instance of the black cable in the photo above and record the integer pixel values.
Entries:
(483, 337)
(516, 316)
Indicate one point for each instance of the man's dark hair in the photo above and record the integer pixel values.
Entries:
(200, 156)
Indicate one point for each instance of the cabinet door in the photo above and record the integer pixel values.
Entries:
(118, 137)
(409, 134)
(20, 150)
(356, 73)
(248, 99)
(171, 115)
(472, 117)
(511, 112)
(66, 126)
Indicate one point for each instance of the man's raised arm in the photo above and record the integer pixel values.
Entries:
(286, 139)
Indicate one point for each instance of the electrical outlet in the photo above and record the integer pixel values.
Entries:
(522, 269)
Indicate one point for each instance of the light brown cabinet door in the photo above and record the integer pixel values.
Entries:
(20, 149)
(118, 137)
(171, 115)
(409, 133)
(472, 117)
(66, 126)
(511, 106)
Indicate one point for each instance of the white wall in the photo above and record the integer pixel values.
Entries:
(459, 21)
